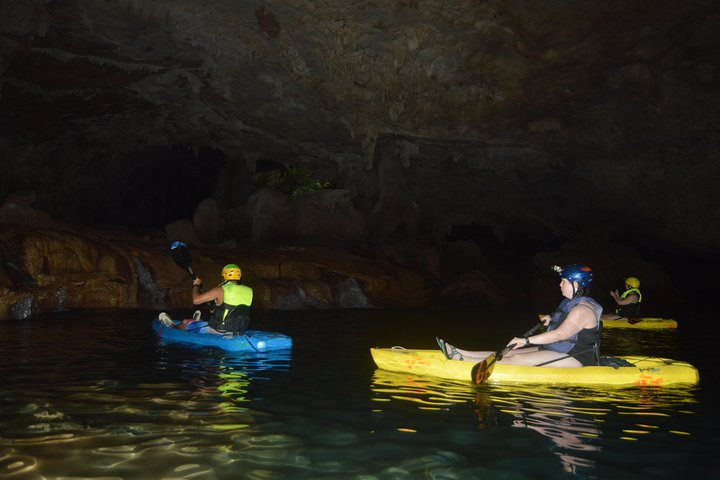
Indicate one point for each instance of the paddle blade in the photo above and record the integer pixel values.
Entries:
(482, 370)
(181, 255)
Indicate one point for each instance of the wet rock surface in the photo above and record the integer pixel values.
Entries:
(48, 270)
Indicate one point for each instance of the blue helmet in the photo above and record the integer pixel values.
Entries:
(576, 273)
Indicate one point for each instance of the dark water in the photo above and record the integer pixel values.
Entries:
(94, 395)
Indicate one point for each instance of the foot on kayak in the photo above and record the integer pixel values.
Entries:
(448, 350)
(196, 315)
(166, 320)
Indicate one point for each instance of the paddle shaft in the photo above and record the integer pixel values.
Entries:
(504, 351)
(482, 370)
(181, 255)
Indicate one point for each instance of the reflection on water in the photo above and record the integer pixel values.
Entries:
(96, 395)
(576, 420)
(113, 426)
(74, 404)
(189, 425)
(661, 343)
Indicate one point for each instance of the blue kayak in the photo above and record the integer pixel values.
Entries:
(251, 341)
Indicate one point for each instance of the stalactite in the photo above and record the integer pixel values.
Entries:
(368, 146)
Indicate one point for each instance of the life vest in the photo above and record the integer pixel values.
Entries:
(631, 309)
(629, 291)
(559, 316)
(235, 297)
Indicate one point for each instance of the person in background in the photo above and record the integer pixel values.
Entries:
(572, 336)
(629, 301)
(231, 300)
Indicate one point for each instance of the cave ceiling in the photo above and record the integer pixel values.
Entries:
(506, 113)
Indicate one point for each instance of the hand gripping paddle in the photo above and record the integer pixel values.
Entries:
(482, 370)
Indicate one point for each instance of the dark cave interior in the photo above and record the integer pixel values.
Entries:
(488, 137)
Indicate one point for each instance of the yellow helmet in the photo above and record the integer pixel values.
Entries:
(634, 282)
(231, 272)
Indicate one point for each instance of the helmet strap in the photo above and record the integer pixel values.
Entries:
(580, 291)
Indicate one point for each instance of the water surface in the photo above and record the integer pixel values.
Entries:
(93, 394)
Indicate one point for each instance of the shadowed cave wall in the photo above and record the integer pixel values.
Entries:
(473, 142)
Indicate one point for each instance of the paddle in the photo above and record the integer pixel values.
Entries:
(181, 255)
(482, 370)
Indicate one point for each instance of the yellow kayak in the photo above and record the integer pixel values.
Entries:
(641, 323)
(646, 371)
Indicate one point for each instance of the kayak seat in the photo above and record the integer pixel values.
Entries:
(614, 362)
(196, 326)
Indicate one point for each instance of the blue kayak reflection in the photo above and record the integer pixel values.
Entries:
(236, 371)
(221, 381)
(578, 421)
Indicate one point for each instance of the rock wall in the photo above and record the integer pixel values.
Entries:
(511, 115)
(45, 270)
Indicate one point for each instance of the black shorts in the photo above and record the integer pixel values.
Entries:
(236, 323)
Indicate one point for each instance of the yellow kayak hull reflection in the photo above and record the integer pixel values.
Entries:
(648, 371)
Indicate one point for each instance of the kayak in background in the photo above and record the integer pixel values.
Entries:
(641, 323)
(611, 320)
(644, 371)
(252, 341)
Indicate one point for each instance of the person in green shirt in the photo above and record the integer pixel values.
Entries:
(629, 301)
(231, 300)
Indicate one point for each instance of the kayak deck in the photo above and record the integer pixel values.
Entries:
(252, 341)
(647, 371)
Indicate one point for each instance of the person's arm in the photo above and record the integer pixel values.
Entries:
(198, 297)
(632, 298)
(577, 319)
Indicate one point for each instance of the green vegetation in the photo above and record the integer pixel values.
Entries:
(299, 182)
(294, 182)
